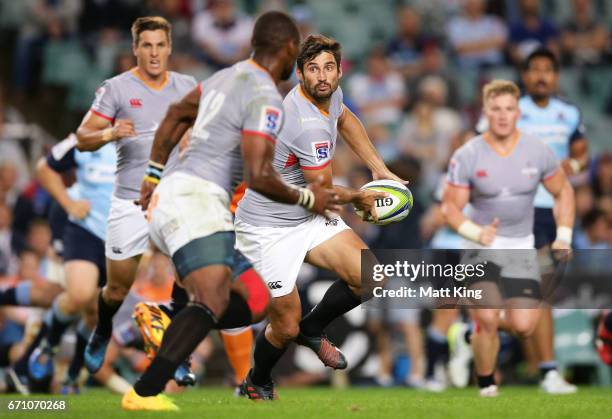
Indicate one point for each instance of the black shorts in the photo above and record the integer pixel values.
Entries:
(80, 244)
(544, 227)
(509, 287)
(57, 222)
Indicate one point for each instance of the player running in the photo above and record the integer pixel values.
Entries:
(558, 124)
(238, 114)
(277, 238)
(127, 110)
(87, 204)
(498, 174)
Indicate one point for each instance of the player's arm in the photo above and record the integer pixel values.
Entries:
(363, 200)
(48, 169)
(260, 176)
(179, 118)
(454, 200)
(564, 209)
(96, 130)
(355, 135)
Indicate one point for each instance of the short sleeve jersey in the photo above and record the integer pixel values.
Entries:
(502, 186)
(306, 142)
(95, 177)
(236, 100)
(127, 96)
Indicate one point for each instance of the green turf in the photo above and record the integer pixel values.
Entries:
(513, 402)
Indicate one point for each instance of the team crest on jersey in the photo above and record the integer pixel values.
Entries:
(271, 120)
(136, 103)
(321, 150)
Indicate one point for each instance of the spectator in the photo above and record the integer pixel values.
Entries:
(584, 39)
(596, 231)
(11, 153)
(406, 48)
(477, 39)
(428, 132)
(8, 183)
(7, 258)
(380, 93)
(531, 32)
(223, 35)
(434, 64)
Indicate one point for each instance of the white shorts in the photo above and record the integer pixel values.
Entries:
(127, 232)
(277, 253)
(520, 261)
(185, 208)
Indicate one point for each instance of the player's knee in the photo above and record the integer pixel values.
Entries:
(523, 328)
(115, 292)
(286, 331)
(487, 323)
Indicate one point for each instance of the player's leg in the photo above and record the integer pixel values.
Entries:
(436, 341)
(30, 294)
(604, 337)
(485, 344)
(81, 277)
(341, 254)
(284, 314)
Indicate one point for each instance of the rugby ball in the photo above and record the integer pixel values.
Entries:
(395, 207)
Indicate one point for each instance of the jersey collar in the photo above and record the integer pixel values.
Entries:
(497, 149)
(323, 111)
(137, 74)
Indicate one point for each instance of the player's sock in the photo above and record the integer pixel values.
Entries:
(265, 358)
(237, 314)
(547, 366)
(187, 330)
(338, 299)
(485, 381)
(59, 322)
(19, 295)
(238, 345)
(21, 365)
(608, 322)
(78, 359)
(180, 298)
(437, 350)
(5, 351)
(105, 316)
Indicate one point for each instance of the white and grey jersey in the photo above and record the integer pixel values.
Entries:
(240, 99)
(502, 186)
(127, 96)
(306, 142)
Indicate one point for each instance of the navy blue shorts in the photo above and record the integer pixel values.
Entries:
(544, 227)
(57, 222)
(80, 244)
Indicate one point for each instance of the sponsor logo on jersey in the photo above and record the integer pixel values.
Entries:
(136, 103)
(321, 150)
(530, 171)
(271, 120)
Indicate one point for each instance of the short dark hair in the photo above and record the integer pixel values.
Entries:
(272, 31)
(541, 53)
(316, 44)
(150, 23)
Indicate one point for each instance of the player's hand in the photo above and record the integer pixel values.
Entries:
(326, 200)
(489, 232)
(123, 128)
(388, 174)
(365, 200)
(78, 209)
(146, 191)
(561, 250)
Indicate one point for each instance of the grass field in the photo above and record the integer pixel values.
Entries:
(514, 402)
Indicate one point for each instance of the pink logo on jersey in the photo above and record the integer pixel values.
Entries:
(481, 173)
(136, 103)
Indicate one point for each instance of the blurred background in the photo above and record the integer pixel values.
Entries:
(413, 70)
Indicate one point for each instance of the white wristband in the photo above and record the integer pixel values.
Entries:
(470, 231)
(564, 234)
(306, 198)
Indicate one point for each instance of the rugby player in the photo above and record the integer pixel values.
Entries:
(498, 174)
(127, 111)
(87, 204)
(277, 238)
(238, 114)
(558, 124)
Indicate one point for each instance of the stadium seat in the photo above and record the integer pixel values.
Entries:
(574, 344)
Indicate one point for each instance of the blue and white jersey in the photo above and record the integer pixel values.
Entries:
(557, 125)
(95, 179)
